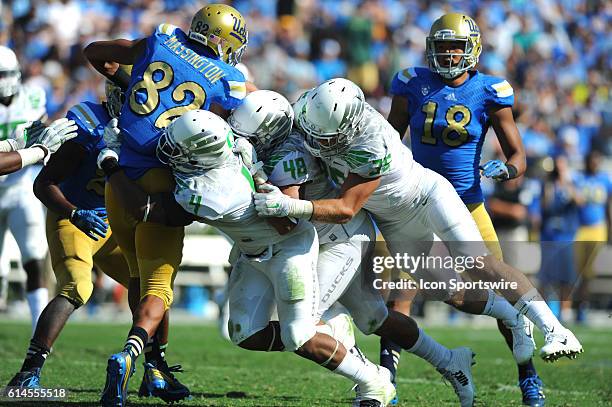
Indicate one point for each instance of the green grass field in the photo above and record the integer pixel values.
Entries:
(220, 374)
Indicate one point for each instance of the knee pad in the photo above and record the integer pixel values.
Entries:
(296, 333)
(77, 292)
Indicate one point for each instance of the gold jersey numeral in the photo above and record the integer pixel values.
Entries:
(153, 88)
(452, 125)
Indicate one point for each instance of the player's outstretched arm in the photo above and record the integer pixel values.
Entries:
(105, 55)
(398, 115)
(11, 162)
(509, 138)
(34, 142)
(355, 192)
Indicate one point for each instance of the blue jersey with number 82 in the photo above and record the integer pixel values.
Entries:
(173, 76)
(448, 124)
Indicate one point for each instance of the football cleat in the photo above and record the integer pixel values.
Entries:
(459, 373)
(560, 342)
(30, 379)
(119, 369)
(531, 388)
(523, 344)
(377, 393)
(158, 380)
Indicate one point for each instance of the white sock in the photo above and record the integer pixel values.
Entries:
(37, 300)
(533, 306)
(353, 368)
(427, 348)
(499, 308)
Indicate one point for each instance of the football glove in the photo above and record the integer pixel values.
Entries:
(271, 202)
(495, 169)
(91, 222)
(51, 137)
(112, 135)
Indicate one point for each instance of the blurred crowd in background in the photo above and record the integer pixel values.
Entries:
(557, 54)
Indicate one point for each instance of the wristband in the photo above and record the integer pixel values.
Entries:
(299, 208)
(512, 171)
(31, 156)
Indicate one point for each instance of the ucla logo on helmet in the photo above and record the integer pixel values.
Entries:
(240, 31)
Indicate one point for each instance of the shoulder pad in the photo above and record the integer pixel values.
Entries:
(84, 116)
(406, 74)
(36, 96)
(166, 29)
(237, 89)
(501, 88)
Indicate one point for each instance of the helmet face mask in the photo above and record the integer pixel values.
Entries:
(222, 29)
(265, 118)
(195, 142)
(331, 117)
(449, 33)
(10, 74)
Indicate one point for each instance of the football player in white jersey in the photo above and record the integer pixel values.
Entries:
(20, 211)
(265, 118)
(364, 155)
(274, 269)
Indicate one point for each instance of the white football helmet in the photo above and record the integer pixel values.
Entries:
(265, 118)
(10, 75)
(332, 116)
(198, 140)
(298, 106)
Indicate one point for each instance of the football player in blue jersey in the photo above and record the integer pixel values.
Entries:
(595, 215)
(173, 72)
(72, 189)
(449, 107)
